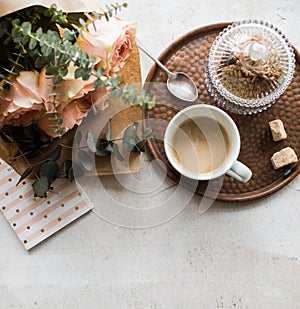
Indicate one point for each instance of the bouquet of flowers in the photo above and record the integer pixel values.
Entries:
(53, 66)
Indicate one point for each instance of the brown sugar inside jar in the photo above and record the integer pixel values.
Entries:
(250, 65)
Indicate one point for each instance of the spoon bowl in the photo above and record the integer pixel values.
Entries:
(182, 87)
(178, 83)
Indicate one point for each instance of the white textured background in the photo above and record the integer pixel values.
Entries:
(233, 256)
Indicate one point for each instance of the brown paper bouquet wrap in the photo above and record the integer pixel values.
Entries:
(129, 74)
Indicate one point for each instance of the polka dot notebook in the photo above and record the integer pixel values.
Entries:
(35, 219)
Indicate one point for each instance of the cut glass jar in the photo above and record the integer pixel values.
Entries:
(250, 64)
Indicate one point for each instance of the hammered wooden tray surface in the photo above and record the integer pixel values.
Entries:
(188, 54)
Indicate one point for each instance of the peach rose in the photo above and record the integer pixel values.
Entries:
(27, 99)
(67, 90)
(21, 103)
(71, 101)
(109, 41)
(73, 112)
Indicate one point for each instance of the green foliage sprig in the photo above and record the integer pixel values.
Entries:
(37, 48)
(48, 170)
(108, 147)
(31, 42)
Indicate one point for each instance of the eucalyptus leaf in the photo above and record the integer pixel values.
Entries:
(69, 35)
(115, 81)
(33, 42)
(117, 153)
(25, 40)
(17, 35)
(147, 132)
(109, 10)
(70, 174)
(40, 62)
(39, 33)
(131, 141)
(89, 17)
(86, 73)
(34, 52)
(99, 72)
(101, 153)
(139, 144)
(67, 168)
(41, 186)
(26, 27)
(96, 14)
(59, 121)
(63, 71)
(78, 137)
(129, 137)
(91, 142)
(82, 23)
(129, 146)
(75, 171)
(51, 70)
(106, 15)
(101, 148)
(16, 22)
(109, 147)
(55, 155)
(64, 168)
(131, 131)
(57, 79)
(78, 72)
(85, 160)
(108, 130)
(50, 170)
(26, 173)
(97, 83)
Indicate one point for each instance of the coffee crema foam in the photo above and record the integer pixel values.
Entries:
(201, 144)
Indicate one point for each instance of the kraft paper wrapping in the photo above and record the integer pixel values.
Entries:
(130, 74)
(7, 7)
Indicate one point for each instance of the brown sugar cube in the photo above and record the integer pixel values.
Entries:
(277, 129)
(284, 157)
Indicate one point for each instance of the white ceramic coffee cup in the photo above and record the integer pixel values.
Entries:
(231, 166)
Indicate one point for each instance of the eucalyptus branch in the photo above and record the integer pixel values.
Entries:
(29, 170)
(131, 96)
(71, 147)
(41, 44)
(62, 18)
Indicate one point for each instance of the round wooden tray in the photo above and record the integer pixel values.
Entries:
(188, 54)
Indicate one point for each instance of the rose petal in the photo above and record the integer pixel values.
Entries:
(21, 103)
(66, 91)
(23, 91)
(72, 115)
(106, 39)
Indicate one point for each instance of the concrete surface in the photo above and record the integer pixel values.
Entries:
(233, 256)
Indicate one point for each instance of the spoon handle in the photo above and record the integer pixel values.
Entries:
(143, 49)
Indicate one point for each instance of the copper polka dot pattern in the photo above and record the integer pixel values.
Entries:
(188, 54)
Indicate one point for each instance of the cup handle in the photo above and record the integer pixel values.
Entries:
(240, 172)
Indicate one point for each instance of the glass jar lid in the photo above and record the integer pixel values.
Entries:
(250, 64)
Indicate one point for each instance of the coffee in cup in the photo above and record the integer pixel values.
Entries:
(202, 142)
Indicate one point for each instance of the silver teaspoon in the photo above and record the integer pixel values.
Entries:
(178, 83)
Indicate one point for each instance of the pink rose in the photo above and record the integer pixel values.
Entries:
(109, 41)
(21, 103)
